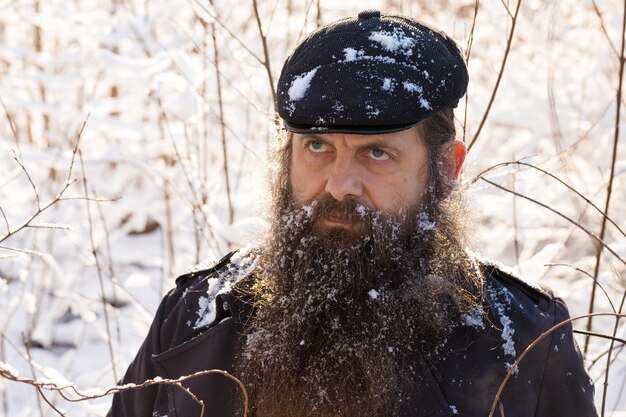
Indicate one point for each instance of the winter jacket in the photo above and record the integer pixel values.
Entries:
(198, 325)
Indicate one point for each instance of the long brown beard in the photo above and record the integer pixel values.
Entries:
(345, 318)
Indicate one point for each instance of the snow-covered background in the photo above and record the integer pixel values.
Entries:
(169, 171)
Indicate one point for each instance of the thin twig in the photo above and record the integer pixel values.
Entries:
(581, 227)
(39, 211)
(306, 21)
(6, 221)
(40, 392)
(506, 7)
(596, 9)
(266, 63)
(32, 370)
(220, 102)
(12, 126)
(92, 199)
(51, 386)
(219, 22)
(502, 66)
(75, 149)
(534, 343)
(600, 356)
(554, 113)
(470, 42)
(26, 251)
(5, 396)
(318, 17)
(618, 400)
(470, 38)
(612, 343)
(94, 252)
(30, 180)
(569, 187)
(515, 223)
(56, 199)
(600, 335)
(107, 239)
(610, 185)
(195, 202)
(590, 276)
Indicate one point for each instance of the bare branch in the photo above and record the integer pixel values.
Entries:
(609, 190)
(55, 200)
(470, 42)
(6, 221)
(600, 335)
(508, 10)
(66, 390)
(502, 66)
(266, 63)
(30, 180)
(75, 149)
(581, 227)
(235, 37)
(470, 38)
(26, 251)
(596, 9)
(569, 187)
(220, 102)
(32, 370)
(50, 226)
(27, 223)
(590, 276)
(11, 125)
(615, 327)
(94, 199)
(94, 252)
(543, 335)
(306, 21)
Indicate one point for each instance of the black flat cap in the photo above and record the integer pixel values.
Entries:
(374, 73)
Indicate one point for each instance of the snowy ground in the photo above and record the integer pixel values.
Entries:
(143, 75)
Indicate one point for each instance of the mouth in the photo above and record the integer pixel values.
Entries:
(337, 219)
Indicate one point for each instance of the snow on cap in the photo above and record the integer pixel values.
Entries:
(373, 73)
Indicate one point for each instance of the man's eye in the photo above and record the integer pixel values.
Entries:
(317, 146)
(378, 154)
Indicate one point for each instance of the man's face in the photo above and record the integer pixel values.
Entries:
(384, 172)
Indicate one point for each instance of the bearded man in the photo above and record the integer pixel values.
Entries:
(362, 299)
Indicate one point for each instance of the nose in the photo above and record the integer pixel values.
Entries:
(344, 180)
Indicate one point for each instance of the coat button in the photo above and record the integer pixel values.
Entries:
(366, 14)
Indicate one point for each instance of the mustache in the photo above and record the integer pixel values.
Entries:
(351, 210)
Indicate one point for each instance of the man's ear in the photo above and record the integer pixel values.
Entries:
(451, 159)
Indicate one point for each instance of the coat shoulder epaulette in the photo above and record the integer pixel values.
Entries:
(203, 271)
(540, 294)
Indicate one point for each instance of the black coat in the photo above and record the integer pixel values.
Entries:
(551, 380)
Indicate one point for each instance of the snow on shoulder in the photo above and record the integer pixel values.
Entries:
(241, 264)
